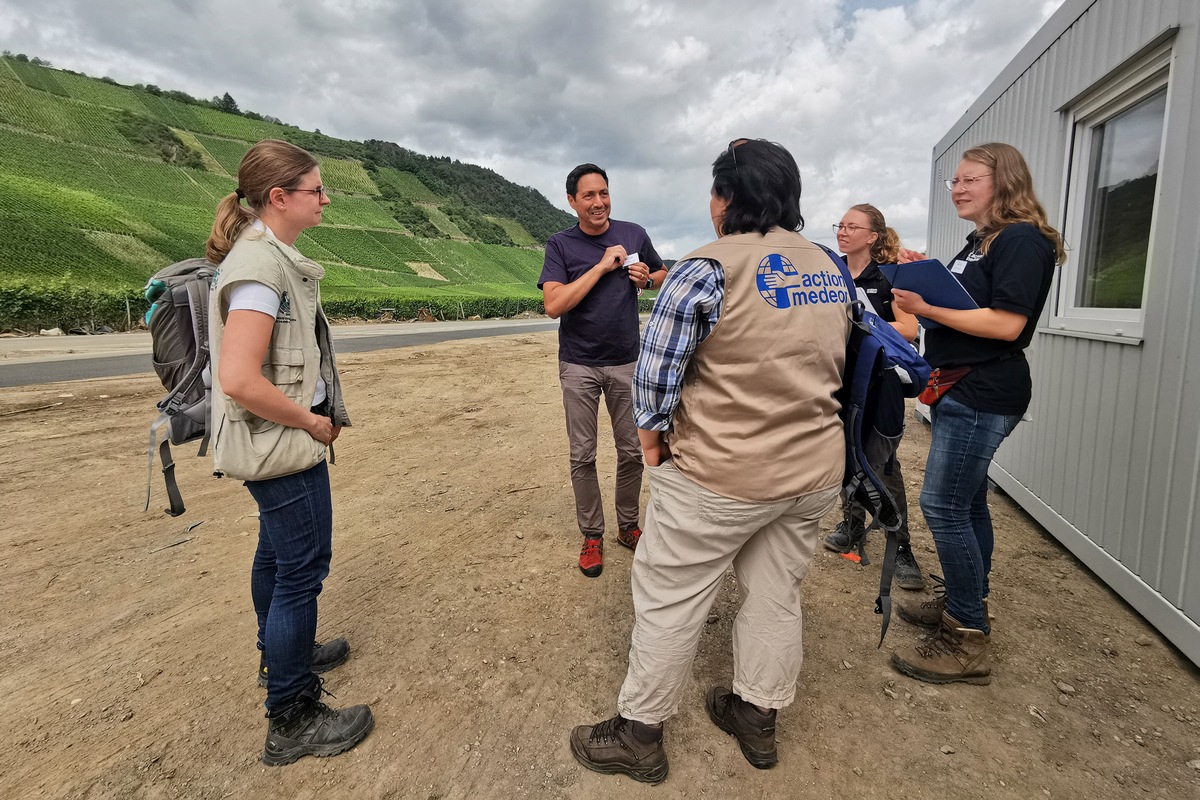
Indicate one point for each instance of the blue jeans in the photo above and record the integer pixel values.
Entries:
(295, 532)
(954, 501)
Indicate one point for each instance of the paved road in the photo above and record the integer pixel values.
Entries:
(34, 360)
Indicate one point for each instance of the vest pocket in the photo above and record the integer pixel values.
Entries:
(286, 371)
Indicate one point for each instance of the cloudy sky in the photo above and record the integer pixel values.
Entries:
(652, 90)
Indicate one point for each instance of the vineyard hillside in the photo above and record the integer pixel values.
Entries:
(103, 184)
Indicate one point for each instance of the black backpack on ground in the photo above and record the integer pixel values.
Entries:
(178, 323)
(880, 364)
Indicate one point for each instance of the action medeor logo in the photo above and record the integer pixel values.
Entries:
(783, 286)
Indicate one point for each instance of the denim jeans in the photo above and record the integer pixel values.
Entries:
(954, 501)
(295, 531)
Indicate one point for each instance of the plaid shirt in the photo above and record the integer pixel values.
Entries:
(687, 308)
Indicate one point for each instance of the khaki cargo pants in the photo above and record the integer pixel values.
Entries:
(690, 538)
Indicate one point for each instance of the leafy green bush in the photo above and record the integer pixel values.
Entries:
(158, 138)
(413, 218)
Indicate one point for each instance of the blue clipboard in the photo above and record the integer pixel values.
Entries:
(932, 281)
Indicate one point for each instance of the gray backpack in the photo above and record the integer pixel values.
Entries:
(178, 323)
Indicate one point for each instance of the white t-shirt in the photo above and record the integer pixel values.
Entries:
(255, 296)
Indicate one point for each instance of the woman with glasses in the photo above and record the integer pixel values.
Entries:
(866, 242)
(277, 407)
(735, 408)
(978, 392)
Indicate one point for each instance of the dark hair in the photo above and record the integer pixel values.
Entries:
(761, 181)
(579, 172)
(268, 164)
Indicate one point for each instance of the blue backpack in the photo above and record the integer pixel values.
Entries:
(880, 365)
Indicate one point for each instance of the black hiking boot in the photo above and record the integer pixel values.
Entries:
(309, 727)
(619, 745)
(908, 572)
(754, 730)
(324, 658)
(844, 537)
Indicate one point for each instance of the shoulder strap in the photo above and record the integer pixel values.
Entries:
(864, 485)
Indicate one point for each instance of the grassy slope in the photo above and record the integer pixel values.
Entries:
(89, 215)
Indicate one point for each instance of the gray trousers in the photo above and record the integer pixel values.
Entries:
(581, 388)
(881, 456)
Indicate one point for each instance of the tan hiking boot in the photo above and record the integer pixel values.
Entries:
(927, 612)
(954, 654)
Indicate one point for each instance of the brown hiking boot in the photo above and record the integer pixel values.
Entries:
(927, 612)
(619, 745)
(954, 654)
(754, 730)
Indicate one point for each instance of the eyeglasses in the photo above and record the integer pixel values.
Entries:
(320, 190)
(967, 182)
(850, 229)
(732, 150)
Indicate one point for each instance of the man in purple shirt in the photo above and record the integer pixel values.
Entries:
(590, 280)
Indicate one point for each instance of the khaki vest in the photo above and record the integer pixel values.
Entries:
(757, 420)
(245, 446)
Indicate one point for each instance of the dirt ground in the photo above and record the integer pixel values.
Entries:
(127, 657)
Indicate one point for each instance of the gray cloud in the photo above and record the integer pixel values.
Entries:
(859, 91)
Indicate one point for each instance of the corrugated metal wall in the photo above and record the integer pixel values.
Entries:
(1111, 462)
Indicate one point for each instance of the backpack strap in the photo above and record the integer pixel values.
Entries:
(168, 467)
(865, 484)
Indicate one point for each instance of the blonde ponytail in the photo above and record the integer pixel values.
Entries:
(232, 219)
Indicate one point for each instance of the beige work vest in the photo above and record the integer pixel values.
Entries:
(757, 419)
(245, 446)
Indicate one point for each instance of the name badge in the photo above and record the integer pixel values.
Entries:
(959, 267)
(630, 259)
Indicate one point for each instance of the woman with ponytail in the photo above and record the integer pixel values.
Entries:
(866, 242)
(277, 409)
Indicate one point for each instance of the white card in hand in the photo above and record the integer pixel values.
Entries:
(632, 258)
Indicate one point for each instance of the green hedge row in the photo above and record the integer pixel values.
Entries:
(30, 307)
(444, 307)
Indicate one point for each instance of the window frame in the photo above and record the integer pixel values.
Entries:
(1136, 83)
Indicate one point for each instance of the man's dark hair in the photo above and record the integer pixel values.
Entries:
(579, 172)
(762, 183)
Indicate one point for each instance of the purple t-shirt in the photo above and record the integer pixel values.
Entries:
(602, 331)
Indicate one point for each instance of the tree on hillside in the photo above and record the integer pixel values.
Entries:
(227, 104)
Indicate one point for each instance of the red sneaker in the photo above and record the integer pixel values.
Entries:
(629, 538)
(591, 557)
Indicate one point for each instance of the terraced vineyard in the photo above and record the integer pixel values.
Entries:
(90, 210)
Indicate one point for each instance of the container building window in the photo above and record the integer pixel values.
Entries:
(1114, 161)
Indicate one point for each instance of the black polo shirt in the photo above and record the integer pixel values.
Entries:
(878, 290)
(1015, 275)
